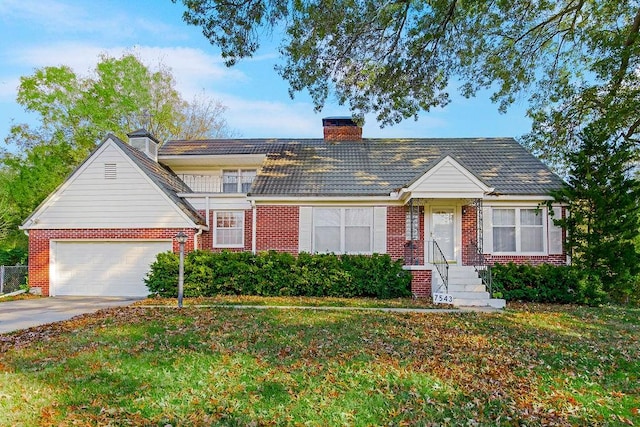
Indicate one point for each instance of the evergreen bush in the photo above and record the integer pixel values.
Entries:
(276, 273)
(544, 283)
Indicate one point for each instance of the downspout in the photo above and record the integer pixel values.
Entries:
(207, 208)
(254, 216)
(200, 228)
(195, 238)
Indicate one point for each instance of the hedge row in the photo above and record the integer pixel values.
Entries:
(278, 274)
(543, 283)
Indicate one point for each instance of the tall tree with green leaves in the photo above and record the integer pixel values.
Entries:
(75, 114)
(120, 96)
(575, 60)
(603, 225)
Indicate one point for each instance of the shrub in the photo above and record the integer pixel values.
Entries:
(14, 256)
(543, 283)
(275, 273)
(163, 278)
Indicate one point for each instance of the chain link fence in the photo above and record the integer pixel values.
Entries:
(12, 277)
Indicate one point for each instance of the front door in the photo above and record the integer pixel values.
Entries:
(443, 230)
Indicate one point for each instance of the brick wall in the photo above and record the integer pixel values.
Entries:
(39, 246)
(421, 283)
(277, 228)
(527, 259)
(342, 133)
(397, 239)
(469, 234)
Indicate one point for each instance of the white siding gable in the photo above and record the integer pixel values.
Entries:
(448, 179)
(108, 191)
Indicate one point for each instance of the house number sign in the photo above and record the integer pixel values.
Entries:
(442, 299)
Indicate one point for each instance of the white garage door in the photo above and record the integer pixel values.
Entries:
(103, 268)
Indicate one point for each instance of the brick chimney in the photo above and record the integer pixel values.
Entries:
(341, 129)
(145, 142)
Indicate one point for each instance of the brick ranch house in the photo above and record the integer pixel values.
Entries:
(478, 199)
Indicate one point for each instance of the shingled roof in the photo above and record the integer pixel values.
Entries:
(163, 177)
(382, 166)
(221, 147)
(376, 167)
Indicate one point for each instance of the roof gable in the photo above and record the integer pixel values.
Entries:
(448, 179)
(114, 188)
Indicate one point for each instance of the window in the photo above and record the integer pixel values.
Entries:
(518, 230)
(342, 230)
(531, 231)
(237, 181)
(229, 229)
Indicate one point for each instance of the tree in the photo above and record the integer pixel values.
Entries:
(576, 60)
(603, 224)
(202, 117)
(77, 112)
(122, 95)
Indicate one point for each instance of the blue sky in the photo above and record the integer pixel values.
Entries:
(39, 33)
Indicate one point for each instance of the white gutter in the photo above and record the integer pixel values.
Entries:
(354, 200)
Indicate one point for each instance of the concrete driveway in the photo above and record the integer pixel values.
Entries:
(16, 315)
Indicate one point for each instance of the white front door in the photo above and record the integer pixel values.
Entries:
(443, 230)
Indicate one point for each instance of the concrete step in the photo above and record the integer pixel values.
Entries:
(467, 287)
(470, 295)
(465, 281)
(462, 272)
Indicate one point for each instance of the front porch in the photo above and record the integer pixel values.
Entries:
(442, 247)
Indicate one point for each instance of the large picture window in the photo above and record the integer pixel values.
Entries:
(518, 230)
(229, 229)
(342, 230)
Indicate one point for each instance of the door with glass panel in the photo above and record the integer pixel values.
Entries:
(443, 231)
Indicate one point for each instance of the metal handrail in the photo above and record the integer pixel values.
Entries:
(441, 264)
(481, 267)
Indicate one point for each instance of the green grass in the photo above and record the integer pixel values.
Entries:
(244, 300)
(531, 365)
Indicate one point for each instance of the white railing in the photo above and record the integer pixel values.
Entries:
(216, 183)
(203, 183)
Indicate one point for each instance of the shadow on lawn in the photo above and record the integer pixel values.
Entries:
(234, 367)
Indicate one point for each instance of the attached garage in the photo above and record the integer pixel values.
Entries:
(102, 267)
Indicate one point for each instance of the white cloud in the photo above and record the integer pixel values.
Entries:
(193, 69)
(269, 119)
(8, 88)
(53, 13)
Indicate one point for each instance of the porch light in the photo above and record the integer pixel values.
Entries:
(181, 238)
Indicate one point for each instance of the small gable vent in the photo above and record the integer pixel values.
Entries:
(110, 171)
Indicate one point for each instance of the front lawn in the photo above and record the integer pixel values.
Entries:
(533, 365)
(252, 300)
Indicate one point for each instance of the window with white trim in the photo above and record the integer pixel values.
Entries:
(228, 229)
(518, 230)
(343, 230)
(237, 180)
